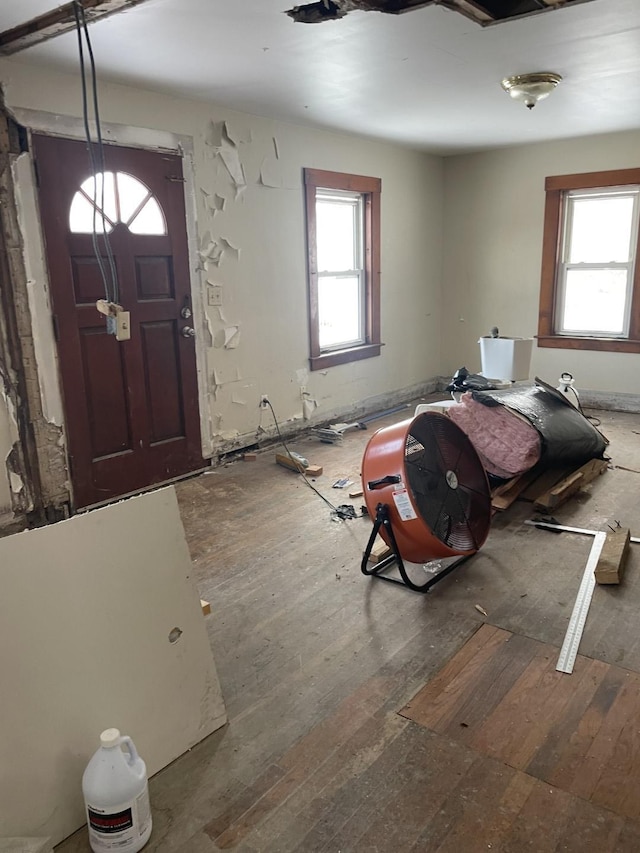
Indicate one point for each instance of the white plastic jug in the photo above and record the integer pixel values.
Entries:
(116, 796)
(565, 387)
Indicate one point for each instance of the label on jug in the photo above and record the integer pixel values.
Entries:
(121, 827)
(111, 822)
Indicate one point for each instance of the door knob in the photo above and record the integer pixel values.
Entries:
(188, 332)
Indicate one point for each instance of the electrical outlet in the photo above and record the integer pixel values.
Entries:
(303, 391)
(214, 295)
(264, 401)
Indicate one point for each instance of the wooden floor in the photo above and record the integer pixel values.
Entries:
(501, 695)
(315, 662)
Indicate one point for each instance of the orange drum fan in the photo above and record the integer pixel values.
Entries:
(426, 488)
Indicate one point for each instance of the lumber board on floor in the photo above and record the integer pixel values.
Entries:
(611, 562)
(568, 486)
(503, 496)
(379, 551)
(546, 480)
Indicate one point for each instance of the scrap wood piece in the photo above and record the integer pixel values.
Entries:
(547, 479)
(571, 484)
(611, 563)
(206, 607)
(56, 22)
(503, 496)
(297, 465)
(379, 551)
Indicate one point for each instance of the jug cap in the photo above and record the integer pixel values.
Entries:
(110, 738)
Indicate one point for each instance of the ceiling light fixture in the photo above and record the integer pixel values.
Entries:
(531, 88)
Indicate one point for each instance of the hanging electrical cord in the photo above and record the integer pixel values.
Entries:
(97, 168)
(344, 510)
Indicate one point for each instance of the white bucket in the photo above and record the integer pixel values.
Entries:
(116, 796)
(506, 358)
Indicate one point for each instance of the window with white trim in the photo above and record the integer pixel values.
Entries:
(596, 271)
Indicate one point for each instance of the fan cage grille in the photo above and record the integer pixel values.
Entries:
(448, 483)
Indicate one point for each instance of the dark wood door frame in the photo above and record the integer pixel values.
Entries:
(156, 414)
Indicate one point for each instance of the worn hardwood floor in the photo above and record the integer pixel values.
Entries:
(315, 661)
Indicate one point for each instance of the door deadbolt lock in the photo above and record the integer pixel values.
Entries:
(185, 312)
(188, 332)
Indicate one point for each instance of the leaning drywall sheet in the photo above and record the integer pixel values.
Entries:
(86, 613)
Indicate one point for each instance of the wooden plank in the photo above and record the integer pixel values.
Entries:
(546, 480)
(487, 688)
(501, 733)
(570, 759)
(503, 496)
(571, 484)
(611, 562)
(379, 551)
(56, 22)
(453, 685)
(295, 465)
(620, 774)
(560, 737)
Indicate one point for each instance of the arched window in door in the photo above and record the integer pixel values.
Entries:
(123, 199)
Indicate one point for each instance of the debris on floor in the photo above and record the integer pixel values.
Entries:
(342, 483)
(611, 563)
(296, 462)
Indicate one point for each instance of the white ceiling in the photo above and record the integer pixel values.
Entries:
(429, 78)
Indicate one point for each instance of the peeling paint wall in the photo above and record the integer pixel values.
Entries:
(37, 290)
(251, 255)
(8, 434)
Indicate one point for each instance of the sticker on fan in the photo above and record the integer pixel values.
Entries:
(403, 505)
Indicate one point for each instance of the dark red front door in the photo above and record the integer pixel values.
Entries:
(131, 406)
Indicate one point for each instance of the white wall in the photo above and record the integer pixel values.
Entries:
(493, 219)
(93, 649)
(264, 288)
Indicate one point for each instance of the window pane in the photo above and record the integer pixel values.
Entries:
(150, 220)
(94, 191)
(131, 194)
(339, 311)
(336, 235)
(595, 301)
(81, 216)
(600, 230)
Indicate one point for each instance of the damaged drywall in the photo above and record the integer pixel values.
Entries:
(36, 464)
(37, 290)
(246, 230)
(9, 439)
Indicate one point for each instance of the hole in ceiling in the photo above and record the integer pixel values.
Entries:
(484, 12)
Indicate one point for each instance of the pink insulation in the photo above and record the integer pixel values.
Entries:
(506, 443)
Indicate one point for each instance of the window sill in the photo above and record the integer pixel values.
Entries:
(597, 344)
(344, 356)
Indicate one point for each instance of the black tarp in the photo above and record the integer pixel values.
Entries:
(568, 437)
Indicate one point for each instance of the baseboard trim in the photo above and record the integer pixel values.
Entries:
(610, 401)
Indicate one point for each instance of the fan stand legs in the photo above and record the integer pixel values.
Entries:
(383, 520)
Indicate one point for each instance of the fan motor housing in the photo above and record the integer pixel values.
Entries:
(430, 476)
